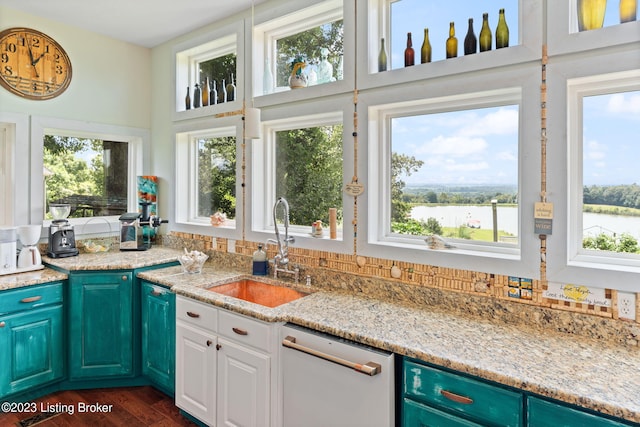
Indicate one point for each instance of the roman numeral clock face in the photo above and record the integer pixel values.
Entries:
(32, 64)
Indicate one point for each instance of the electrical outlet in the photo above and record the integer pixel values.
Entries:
(627, 305)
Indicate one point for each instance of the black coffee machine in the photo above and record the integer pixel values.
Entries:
(62, 238)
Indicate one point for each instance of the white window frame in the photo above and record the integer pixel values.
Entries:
(14, 165)
(137, 140)
(506, 86)
(187, 57)
(186, 185)
(261, 172)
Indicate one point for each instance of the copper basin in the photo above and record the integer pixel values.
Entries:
(258, 292)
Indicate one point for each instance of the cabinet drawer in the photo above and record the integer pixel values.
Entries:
(157, 291)
(30, 297)
(548, 414)
(473, 399)
(417, 414)
(244, 330)
(197, 313)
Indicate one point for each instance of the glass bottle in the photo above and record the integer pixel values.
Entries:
(205, 92)
(213, 94)
(197, 96)
(260, 263)
(409, 54)
(222, 94)
(628, 10)
(485, 34)
(340, 68)
(231, 90)
(502, 31)
(591, 14)
(452, 42)
(187, 100)
(425, 50)
(267, 78)
(470, 40)
(382, 57)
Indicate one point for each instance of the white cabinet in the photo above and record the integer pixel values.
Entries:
(224, 366)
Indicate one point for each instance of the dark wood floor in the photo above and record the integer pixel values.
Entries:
(132, 407)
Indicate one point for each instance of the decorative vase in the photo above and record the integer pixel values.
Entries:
(591, 14)
(628, 9)
(297, 78)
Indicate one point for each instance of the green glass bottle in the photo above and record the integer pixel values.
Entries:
(485, 34)
(187, 100)
(452, 42)
(502, 31)
(425, 50)
(382, 57)
(470, 40)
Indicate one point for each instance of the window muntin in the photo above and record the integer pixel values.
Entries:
(449, 169)
(216, 175)
(610, 218)
(89, 174)
(436, 17)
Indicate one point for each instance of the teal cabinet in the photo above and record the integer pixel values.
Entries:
(543, 413)
(434, 394)
(101, 325)
(31, 337)
(158, 314)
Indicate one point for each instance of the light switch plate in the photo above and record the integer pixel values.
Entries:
(627, 305)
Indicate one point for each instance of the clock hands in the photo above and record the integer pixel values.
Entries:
(34, 62)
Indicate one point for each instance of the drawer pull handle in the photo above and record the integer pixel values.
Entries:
(456, 397)
(209, 342)
(124, 278)
(192, 314)
(156, 293)
(31, 299)
(2, 324)
(240, 331)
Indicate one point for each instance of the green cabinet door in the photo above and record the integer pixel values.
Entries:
(158, 335)
(32, 349)
(101, 333)
(542, 413)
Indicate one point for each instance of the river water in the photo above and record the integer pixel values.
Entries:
(455, 216)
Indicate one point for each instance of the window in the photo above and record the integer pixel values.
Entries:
(220, 73)
(208, 179)
(89, 174)
(314, 35)
(605, 209)
(437, 16)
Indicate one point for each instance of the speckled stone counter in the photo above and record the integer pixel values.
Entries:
(572, 369)
(37, 277)
(115, 260)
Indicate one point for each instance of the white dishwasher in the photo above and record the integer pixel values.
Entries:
(332, 382)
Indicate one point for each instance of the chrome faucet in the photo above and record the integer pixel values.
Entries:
(281, 260)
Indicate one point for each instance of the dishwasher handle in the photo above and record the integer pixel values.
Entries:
(369, 368)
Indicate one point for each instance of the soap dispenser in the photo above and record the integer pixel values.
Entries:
(260, 262)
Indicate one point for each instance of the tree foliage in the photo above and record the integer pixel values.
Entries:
(401, 165)
(217, 176)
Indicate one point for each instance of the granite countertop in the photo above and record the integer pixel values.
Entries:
(115, 260)
(569, 368)
(37, 277)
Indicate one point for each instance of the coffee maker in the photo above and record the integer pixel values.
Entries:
(62, 238)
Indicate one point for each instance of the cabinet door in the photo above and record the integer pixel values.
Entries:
(100, 325)
(196, 372)
(542, 413)
(416, 414)
(243, 386)
(32, 352)
(158, 335)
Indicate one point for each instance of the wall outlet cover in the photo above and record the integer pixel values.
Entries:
(627, 305)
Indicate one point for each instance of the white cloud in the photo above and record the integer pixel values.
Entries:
(466, 167)
(595, 151)
(501, 122)
(454, 146)
(620, 103)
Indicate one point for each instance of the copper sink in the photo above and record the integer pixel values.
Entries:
(258, 292)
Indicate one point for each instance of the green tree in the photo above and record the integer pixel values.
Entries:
(217, 176)
(401, 165)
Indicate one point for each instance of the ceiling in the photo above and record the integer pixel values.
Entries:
(145, 23)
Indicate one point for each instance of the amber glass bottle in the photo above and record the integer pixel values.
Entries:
(502, 31)
(409, 54)
(485, 34)
(382, 57)
(425, 50)
(470, 40)
(205, 92)
(628, 10)
(231, 90)
(452, 42)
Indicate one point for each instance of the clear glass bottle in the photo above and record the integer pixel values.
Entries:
(452, 42)
(485, 34)
(502, 31)
(260, 264)
(267, 78)
(382, 57)
(222, 94)
(425, 50)
(409, 53)
(470, 40)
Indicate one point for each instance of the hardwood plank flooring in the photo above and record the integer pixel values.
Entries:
(130, 406)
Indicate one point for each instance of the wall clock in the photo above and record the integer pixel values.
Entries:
(33, 65)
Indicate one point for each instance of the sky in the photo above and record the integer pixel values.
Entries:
(481, 146)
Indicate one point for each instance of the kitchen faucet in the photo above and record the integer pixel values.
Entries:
(281, 260)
